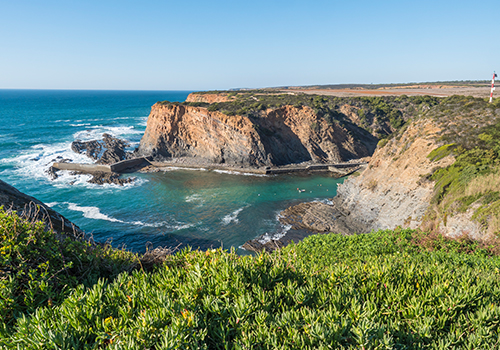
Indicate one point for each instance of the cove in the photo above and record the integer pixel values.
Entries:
(202, 209)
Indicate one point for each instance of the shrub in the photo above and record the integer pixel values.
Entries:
(398, 289)
(37, 269)
(382, 143)
(441, 152)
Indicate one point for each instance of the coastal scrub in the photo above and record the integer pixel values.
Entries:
(398, 289)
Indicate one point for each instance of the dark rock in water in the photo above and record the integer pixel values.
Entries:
(60, 159)
(305, 219)
(91, 149)
(313, 216)
(100, 178)
(52, 173)
(109, 150)
(13, 200)
(322, 218)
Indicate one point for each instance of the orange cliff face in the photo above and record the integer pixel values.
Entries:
(278, 136)
(208, 98)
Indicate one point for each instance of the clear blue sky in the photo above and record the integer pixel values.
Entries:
(199, 45)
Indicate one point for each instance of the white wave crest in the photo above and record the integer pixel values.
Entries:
(81, 124)
(95, 213)
(92, 213)
(233, 217)
(95, 132)
(196, 197)
(280, 232)
(324, 200)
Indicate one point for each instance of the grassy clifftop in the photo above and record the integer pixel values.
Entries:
(468, 188)
(385, 290)
(379, 115)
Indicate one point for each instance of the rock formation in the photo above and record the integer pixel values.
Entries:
(208, 97)
(109, 150)
(13, 200)
(279, 136)
(393, 191)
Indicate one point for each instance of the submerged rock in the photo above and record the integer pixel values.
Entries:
(255, 245)
(101, 178)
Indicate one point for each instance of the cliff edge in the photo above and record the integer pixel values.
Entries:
(14, 200)
(277, 136)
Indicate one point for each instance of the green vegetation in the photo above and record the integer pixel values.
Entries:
(36, 269)
(441, 152)
(398, 289)
(473, 180)
(401, 289)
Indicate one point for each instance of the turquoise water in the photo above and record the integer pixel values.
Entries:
(196, 207)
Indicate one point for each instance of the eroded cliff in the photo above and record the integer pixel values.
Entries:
(439, 173)
(393, 191)
(208, 97)
(276, 136)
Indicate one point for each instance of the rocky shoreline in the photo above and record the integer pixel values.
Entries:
(105, 152)
(338, 169)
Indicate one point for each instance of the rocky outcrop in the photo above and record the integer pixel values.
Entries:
(391, 192)
(279, 136)
(13, 200)
(109, 150)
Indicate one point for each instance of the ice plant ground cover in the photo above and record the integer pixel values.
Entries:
(400, 289)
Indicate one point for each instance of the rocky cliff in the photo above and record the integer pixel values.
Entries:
(393, 191)
(13, 200)
(208, 97)
(439, 173)
(276, 136)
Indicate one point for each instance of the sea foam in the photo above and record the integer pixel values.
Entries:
(232, 217)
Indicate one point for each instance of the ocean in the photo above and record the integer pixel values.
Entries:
(199, 208)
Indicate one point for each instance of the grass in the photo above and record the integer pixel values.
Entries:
(472, 181)
(398, 289)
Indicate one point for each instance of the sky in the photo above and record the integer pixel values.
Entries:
(219, 44)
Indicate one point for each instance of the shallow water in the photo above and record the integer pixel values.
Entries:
(200, 208)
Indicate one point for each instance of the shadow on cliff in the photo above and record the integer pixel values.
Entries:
(280, 143)
(364, 137)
